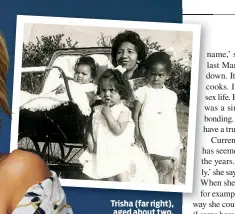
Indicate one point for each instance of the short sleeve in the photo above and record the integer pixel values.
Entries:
(95, 88)
(125, 115)
(140, 94)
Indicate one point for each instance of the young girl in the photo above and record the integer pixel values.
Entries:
(111, 154)
(82, 89)
(155, 117)
(112, 131)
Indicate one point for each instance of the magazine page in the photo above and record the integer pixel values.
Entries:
(32, 43)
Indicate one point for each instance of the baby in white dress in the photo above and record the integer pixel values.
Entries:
(82, 89)
(111, 154)
(156, 119)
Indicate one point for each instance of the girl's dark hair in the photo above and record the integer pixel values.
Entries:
(87, 60)
(158, 57)
(133, 38)
(121, 85)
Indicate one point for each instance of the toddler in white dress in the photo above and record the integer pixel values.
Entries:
(111, 153)
(156, 119)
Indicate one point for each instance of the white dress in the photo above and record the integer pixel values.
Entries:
(117, 154)
(112, 154)
(158, 120)
(142, 169)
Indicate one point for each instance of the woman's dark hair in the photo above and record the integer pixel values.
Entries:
(87, 60)
(133, 38)
(158, 57)
(121, 85)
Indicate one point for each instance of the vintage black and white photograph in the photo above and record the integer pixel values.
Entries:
(108, 104)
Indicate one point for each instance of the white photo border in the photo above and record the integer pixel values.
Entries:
(195, 29)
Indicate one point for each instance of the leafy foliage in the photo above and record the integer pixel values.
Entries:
(39, 54)
(104, 41)
(151, 46)
(179, 81)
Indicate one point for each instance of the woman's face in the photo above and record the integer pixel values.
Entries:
(127, 56)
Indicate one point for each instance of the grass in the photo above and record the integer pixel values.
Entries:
(182, 116)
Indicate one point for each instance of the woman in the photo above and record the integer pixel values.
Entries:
(26, 183)
(129, 51)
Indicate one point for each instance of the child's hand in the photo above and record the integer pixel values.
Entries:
(95, 148)
(90, 148)
(105, 110)
(139, 144)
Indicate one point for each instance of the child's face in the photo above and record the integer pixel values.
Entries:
(127, 56)
(108, 93)
(157, 75)
(83, 74)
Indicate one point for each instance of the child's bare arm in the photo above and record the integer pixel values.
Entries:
(137, 109)
(138, 136)
(90, 143)
(116, 126)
